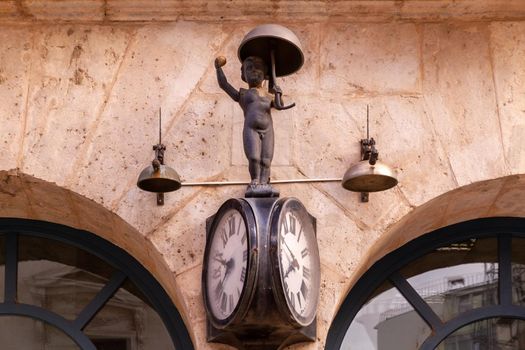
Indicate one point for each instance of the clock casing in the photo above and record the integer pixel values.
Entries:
(295, 261)
(230, 263)
(263, 318)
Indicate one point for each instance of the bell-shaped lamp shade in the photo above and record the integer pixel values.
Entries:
(364, 177)
(161, 180)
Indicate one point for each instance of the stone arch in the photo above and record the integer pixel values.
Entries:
(501, 197)
(25, 197)
(491, 199)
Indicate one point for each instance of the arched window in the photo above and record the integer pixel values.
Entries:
(461, 287)
(63, 288)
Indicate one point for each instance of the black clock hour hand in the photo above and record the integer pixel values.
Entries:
(286, 245)
(229, 267)
(290, 269)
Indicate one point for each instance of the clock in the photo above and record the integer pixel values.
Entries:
(295, 261)
(229, 267)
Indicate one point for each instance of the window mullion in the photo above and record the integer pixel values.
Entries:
(11, 268)
(418, 303)
(505, 269)
(100, 300)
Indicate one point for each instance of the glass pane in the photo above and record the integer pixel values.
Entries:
(518, 271)
(491, 334)
(22, 333)
(2, 267)
(58, 277)
(457, 278)
(386, 322)
(126, 321)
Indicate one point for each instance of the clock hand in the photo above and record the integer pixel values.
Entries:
(290, 269)
(286, 245)
(295, 264)
(222, 261)
(229, 267)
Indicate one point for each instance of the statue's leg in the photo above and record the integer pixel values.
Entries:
(266, 156)
(252, 150)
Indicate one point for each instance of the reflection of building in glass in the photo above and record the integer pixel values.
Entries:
(401, 328)
(126, 322)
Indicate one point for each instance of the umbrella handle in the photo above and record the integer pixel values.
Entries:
(278, 102)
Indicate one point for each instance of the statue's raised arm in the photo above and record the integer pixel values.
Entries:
(223, 82)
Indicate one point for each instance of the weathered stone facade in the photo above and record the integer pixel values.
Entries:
(81, 84)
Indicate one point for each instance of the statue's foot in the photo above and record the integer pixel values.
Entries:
(261, 190)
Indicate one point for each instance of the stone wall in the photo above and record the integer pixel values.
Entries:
(79, 104)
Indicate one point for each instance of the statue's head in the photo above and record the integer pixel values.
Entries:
(254, 70)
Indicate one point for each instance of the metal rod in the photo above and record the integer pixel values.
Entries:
(275, 182)
(160, 126)
(367, 123)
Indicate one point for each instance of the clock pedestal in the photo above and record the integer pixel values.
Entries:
(266, 324)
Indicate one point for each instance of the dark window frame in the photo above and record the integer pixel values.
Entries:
(388, 267)
(126, 267)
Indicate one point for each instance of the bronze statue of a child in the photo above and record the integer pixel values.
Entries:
(258, 137)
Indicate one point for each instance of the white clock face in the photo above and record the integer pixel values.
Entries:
(227, 264)
(299, 265)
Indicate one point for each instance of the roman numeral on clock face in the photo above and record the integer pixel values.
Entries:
(306, 273)
(243, 274)
(224, 302)
(304, 252)
(292, 224)
(292, 299)
(232, 226)
(224, 237)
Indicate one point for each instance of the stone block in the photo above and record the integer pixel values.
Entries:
(15, 60)
(200, 138)
(509, 201)
(328, 144)
(162, 69)
(8, 9)
(50, 10)
(370, 58)
(507, 45)
(192, 293)
(181, 238)
(460, 99)
(326, 137)
(44, 198)
(72, 72)
(13, 198)
(333, 290)
(473, 201)
(139, 208)
(198, 148)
